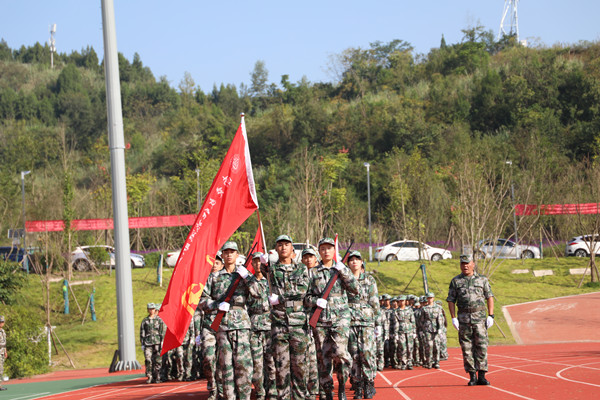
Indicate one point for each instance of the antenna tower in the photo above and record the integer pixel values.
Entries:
(52, 44)
(510, 20)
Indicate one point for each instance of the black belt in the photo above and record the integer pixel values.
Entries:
(471, 309)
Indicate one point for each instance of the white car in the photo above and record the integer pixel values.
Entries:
(504, 248)
(172, 257)
(80, 257)
(580, 246)
(408, 250)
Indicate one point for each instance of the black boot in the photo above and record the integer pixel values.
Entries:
(473, 380)
(482, 380)
(329, 394)
(370, 390)
(342, 391)
(358, 390)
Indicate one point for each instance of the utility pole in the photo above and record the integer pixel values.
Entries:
(25, 258)
(198, 189)
(512, 194)
(369, 201)
(116, 144)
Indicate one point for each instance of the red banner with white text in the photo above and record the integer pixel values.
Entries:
(108, 223)
(557, 209)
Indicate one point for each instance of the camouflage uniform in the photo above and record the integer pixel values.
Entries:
(197, 350)
(442, 337)
(380, 339)
(152, 332)
(470, 293)
(3, 353)
(417, 352)
(364, 311)
(184, 353)
(393, 338)
(259, 309)
(431, 322)
(405, 321)
(233, 337)
(387, 315)
(312, 375)
(333, 327)
(289, 332)
(210, 355)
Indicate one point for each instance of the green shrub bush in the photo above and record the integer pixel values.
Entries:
(11, 281)
(26, 345)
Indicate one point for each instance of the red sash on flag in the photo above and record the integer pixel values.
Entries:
(230, 201)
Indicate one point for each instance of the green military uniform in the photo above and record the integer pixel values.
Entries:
(197, 347)
(470, 295)
(393, 335)
(417, 353)
(259, 310)
(364, 311)
(432, 322)
(210, 354)
(405, 332)
(333, 327)
(152, 332)
(233, 337)
(289, 327)
(184, 353)
(442, 336)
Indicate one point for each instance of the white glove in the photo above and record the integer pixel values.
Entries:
(264, 259)
(321, 303)
(274, 299)
(339, 266)
(143, 348)
(489, 322)
(455, 322)
(242, 271)
(224, 306)
(377, 331)
(199, 340)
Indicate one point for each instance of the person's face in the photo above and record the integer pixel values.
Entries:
(217, 266)
(430, 300)
(284, 249)
(394, 304)
(150, 312)
(355, 264)
(467, 268)
(327, 251)
(256, 264)
(402, 303)
(309, 260)
(386, 303)
(229, 256)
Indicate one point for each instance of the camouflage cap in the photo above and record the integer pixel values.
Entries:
(402, 297)
(157, 306)
(309, 251)
(1, 318)
(150, 306)
(284, 238)
(386, 296)
(417, 302)
(423, 299)
(256, 254)
(429, 294)
(326, 241)
(354, 253)
(218, 256)
(466, 258)
(438, 302)
(230, 245)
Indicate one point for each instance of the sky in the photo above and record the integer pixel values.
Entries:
(220, 41)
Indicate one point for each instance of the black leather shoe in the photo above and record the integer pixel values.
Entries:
(481, 380)
(342, 394)
(370, 390)
(3, 388)
(358, 390)
(473, 380)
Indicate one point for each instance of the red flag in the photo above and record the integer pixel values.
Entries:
(258, 243)
(230, 201)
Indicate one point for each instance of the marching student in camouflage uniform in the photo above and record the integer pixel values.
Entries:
(208, 341)
(442, 336)
(331, 333)
(152, 332)
(3, 352)
(393, 341)
(405, 321)
(185, 352)
(417, 359)
(473, 296)
(289, 284)
(384, 357)
(309, 258)
(432, 322)
(364, 311)
(259, 310)
(197, 345)
(233, 337)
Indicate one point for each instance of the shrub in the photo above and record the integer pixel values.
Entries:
(26, 344)
(11, 281)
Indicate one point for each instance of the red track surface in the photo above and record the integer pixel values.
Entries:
(550, 371)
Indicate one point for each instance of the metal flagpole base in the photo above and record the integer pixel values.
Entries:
(127, 365)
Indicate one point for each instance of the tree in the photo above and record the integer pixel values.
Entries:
(258, 79)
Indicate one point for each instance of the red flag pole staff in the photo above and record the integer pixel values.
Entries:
(317, 313)
(230, 201)
(262, 233)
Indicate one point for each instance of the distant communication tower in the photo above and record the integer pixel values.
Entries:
(510, 19)
(52, 44)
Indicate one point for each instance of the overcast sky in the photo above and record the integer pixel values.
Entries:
(220, 41)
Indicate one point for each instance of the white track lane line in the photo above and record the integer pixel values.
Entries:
(70, 392)
(491, 386)
(548, 362)
(31, 396)
(169, 391)
(558, 374)
(390, 383)
(520, 370)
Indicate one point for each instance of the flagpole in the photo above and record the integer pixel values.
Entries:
(262, 234)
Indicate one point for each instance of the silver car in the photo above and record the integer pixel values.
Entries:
(580, 246)
(80, 257)
(505, 248)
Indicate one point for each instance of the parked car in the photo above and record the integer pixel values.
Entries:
(82, 261)
(14, 254)
(173, 256)
(408, 250)
(580, 246)
(505, 248)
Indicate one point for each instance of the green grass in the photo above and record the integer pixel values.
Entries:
(92, 344)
